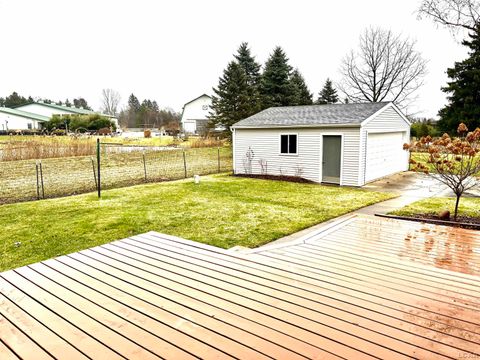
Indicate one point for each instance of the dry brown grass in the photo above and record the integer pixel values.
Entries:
(25, 148)
(13, 148)
(200, 142)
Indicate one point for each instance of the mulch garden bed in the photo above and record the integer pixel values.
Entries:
(277, 177)
(464, 222)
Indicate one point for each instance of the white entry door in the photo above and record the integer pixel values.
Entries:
(385, 155)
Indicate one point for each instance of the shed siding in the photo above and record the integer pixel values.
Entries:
(389, 120)
(265, 144)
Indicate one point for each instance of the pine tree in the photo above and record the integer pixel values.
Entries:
(81, 103)
(252, 72)
(133, 117)
(303, 96)
(275, 86)
(15, 100)
(464, 90)
(248, 63)
(328, 95)
(231, 100)
(133, 103)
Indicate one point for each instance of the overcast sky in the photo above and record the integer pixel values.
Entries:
(173, 51)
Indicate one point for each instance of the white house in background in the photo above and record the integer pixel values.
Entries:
(345, 144)
(195, 115)
(14, 119)
(49, 110)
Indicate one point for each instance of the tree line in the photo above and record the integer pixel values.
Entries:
(14, 99)
(136, 114)
(147, 114)
(244, 89)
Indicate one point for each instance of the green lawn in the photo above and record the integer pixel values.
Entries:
(223, 211)
(468, 207)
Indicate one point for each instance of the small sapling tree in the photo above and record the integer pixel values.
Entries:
(453, 161)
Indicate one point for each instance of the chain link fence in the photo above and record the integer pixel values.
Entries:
(118, 165)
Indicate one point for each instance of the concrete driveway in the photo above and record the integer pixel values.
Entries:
(411, 187)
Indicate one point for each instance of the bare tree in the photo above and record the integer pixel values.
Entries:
(454, 14)
(386, 67)
(110, 101)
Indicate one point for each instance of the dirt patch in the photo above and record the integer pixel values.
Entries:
(278, 178)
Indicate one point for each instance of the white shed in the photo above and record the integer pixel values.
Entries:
(345, 144)
(195, 115)
(13, 119)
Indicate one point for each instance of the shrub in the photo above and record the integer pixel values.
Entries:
(92, 122)
(420, 129)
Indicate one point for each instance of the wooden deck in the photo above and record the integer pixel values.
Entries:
(363, 289)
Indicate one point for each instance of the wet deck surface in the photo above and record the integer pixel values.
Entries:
(366, 288)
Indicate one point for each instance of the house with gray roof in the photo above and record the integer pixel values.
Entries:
(344, 144)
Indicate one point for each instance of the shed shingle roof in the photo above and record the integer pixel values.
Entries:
(312, 115)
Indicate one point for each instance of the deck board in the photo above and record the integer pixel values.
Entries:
(366, 288)
(6, 353)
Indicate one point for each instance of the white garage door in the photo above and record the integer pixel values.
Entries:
(385, 155)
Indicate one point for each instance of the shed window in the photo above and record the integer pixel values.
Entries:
(288, 144)
(29, 126)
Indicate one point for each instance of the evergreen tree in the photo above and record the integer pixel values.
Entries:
(464, 90)
(275, 86)
(81, 103)
(328, 95)
(133, 103)
(252, 72)
(303, 96)
(230, 102)
(133, 118)
(249, 65)
(16, 100)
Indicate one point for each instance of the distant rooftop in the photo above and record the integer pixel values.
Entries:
(24, 114)
(312, 115)
(72, 109)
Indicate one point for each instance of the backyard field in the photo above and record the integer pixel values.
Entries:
(222, 211)
(23, 180)
(45, 147)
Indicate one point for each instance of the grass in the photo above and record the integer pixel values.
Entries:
(222, 211)
(469, 207)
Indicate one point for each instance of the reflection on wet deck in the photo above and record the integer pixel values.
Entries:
(416, 283)
(441, 246)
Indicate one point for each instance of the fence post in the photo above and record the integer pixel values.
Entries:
(41, 179)
(38, 180)
(99, 187)
(185, 164)
(144, 166)
(218, 157)
(94, 173)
